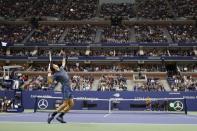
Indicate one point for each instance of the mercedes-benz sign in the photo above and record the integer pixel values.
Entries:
(42, 104)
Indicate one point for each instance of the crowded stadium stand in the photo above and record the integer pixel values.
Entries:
(117, 52)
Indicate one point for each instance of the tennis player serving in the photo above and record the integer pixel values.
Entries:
(61, 76)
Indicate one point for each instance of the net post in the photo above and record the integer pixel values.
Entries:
(35, 104)
(185, 106)
(109, 111)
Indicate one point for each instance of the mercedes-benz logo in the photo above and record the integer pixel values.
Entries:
(178, 106)
(42, 104)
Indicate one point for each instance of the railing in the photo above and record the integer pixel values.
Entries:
(103, 58)
(75, 45)
(128, 74)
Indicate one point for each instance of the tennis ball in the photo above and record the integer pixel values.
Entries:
(171, 104)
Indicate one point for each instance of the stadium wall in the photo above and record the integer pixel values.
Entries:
(29, 98)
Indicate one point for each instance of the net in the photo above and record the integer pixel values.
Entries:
(156, 105)
(114, 105)
(82, 105)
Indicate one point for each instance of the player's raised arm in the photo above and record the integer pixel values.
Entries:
(63, 62)
(50, 59)
(49, 75)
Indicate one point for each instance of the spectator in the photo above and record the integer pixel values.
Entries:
(183, 33)
(153, 9)
(152, 84)
(182, 83)
(49, 8)
(14, 33)
(14, 9)
(115, 34)
(84, 34)
(112, 83)
(80, 9)
(184, 8)
(149, 34)
(116, 9)
(47, 34)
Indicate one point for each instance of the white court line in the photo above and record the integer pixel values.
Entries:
(188, 116)
(106, 115)
(93, 123)
(14, 115)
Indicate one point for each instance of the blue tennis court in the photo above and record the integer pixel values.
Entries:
(137, 121)
(144, 117)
